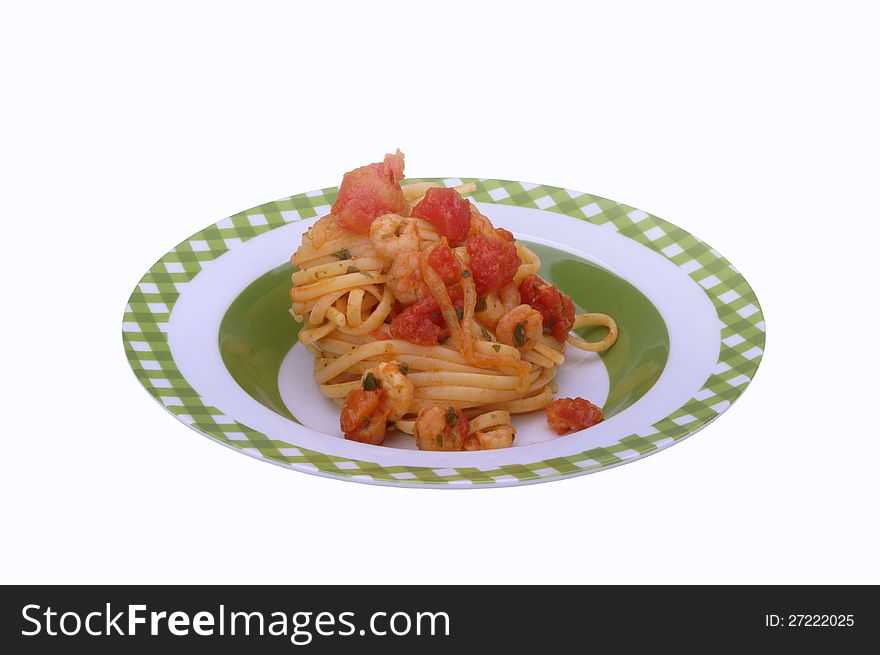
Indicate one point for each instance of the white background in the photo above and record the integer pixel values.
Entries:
(125, 130)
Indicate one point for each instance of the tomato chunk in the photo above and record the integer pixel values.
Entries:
(422, 323)
(494, 262)
(363, 418)
(569, 414)
(447, 211)
(556, 308)
(414, 324)
(368, 192)
(444, 261)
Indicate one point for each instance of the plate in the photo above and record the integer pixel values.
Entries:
(207, 333)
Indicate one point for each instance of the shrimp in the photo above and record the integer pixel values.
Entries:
(363, 418)
(510, 297)
(480, 224)
(441, 429)
(405, 278)
(521, 327)
(397, 388)
(393, 235)
(322, 230)
(483, 226)
(489, 309)
(500, 436)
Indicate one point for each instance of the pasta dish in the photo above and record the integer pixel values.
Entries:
(424, 317)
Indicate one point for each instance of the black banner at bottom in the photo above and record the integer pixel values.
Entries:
(431, 619)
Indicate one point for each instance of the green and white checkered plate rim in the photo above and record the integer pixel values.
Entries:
(742, 337)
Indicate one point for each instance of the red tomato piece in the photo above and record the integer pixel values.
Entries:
(569, 414)
(368, 192)
(447, 211)
(444, 261)
(363, 418)
(556, 308)
(563, 323)
(414, 324)
(493, 262)
(422, 323)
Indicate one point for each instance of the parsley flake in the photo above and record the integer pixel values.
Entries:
(370, 382)
(519, 335)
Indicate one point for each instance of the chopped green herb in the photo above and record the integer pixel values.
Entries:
(352, 269)
(440, 440)
(547, 329)
(486, 334)
(370, 382)
(404, 368)
(386, 236)
(451, 417)
(465, 273)
(459, 313)
(496, 347)
(367, 423)
(399, 229)
(481, 304)
(519, 335)
(342, 254)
